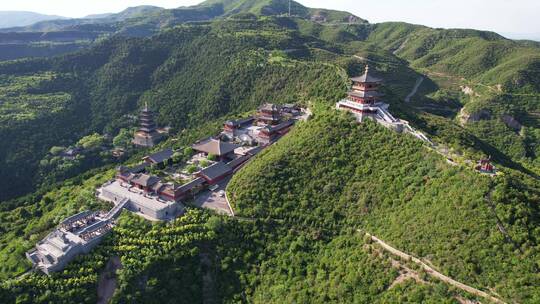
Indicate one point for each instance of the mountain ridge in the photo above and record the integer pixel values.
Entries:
(10, 19)
(301, 200)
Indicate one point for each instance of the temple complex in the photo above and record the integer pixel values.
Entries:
(270, 123)
(75, 235)
(147, 135)
(364, 101)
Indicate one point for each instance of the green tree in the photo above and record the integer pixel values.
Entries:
(123, 139)
(91, 142)
(188, 151)
(56, 150)
(191, 169)
(177, 157)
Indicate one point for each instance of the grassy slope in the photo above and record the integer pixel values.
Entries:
(351, 176)
(483, 56)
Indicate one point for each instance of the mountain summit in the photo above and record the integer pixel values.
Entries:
(283, 7)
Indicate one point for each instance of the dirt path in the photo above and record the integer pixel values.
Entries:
(432, 272)
(209, 285)
(401, 47)
(374, 61)
(107, 281)
(415, 89)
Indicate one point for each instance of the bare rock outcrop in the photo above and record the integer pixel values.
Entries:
(465, 117)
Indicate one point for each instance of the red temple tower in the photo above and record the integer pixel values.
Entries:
(364, 101)
(364, 97)
(365, 89)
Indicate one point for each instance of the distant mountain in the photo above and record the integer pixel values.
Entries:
(129, 12)
(22, 18)
(282, 7)
(68, 35)
(152, 18)
(61, 24)
(132, 12)
(98, 16)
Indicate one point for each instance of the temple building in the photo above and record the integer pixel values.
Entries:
(75, 235)
(147, 135)
(234, 128)
(159, 158)
(146, 194)
(270, 134)
(269, 114)
(485, 166)
(364, 101)
(211, 146)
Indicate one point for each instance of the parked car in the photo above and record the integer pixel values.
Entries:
(213, 188)
(221, 193)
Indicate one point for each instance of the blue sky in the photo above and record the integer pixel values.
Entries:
(503, 16)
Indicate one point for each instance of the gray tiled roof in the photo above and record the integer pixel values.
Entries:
(192, 184)
(238, 161)
(367, 77)
(145, 180)
(139, 168)
(216, 170)
(281, 126)
(240, 122)
(160, 156)
(215, 147)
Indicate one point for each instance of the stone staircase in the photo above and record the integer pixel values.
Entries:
(115, 211)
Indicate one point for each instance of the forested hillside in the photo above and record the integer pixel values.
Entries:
(474, 79)
(365, 177)
(93, 90)
(241, 61)
(304, 204)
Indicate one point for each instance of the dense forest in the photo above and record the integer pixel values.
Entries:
(302, 205)
(276, 252)
(353, 176)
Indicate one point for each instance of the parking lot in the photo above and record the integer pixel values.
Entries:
(214, 200)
